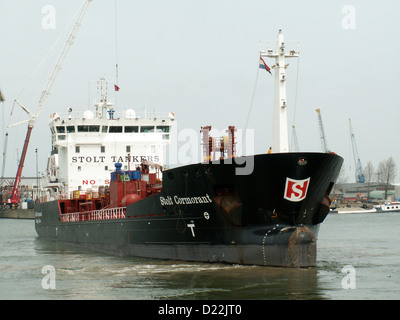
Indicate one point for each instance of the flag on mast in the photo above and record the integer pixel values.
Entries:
(263, 65)
(116, 88)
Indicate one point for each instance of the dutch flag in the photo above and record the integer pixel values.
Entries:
(263, 65)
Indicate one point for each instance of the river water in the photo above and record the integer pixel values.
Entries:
(358, 258)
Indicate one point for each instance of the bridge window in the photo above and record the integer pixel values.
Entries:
(162, 129)
(60, 129)
(115, 129)
(83, 128)
(94, 128)
(147, 129)
(129, 129)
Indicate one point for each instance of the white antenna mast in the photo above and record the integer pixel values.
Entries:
(280, 136)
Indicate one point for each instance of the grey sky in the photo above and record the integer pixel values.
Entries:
(199, 60)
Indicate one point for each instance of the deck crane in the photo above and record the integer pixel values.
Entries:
(46, 92)
(324, 145)
(360, 177)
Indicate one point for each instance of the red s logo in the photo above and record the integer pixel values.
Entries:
(296, 190)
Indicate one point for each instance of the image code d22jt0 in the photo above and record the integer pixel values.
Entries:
(213, 309)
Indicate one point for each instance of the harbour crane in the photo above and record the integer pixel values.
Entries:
(360, 177)
(46, 92)
(324, 145)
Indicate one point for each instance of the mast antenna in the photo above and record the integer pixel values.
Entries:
(280, 137)
(116, 86)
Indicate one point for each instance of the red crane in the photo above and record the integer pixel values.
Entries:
(15, 196)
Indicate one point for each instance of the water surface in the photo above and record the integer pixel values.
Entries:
(369, 243)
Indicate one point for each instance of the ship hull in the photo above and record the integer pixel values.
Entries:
(209, 212)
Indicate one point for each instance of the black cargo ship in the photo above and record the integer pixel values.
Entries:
(205, 212)
(210, 211)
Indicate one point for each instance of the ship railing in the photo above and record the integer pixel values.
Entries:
(127, 114)
(103, 214)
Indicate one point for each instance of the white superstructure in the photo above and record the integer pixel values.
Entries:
(86, 145)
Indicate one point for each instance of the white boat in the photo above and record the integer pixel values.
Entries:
(353, 210)
(388, 206)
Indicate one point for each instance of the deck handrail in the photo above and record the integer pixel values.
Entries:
(102, 214)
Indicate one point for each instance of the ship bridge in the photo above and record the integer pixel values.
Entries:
(86, 146)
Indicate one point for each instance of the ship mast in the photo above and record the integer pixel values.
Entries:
(280, 136)
(103, 106)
